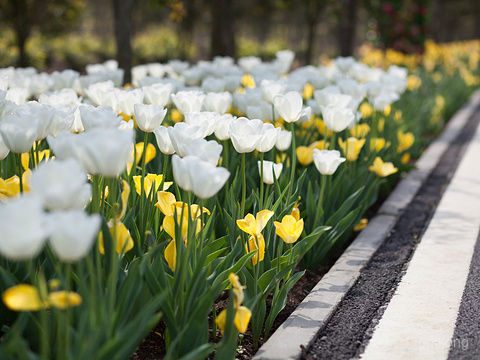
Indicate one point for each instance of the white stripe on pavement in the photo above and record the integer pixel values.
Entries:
(420, 319)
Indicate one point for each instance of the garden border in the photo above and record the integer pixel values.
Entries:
(302, 326)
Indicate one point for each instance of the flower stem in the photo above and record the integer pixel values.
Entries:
(293, 162)
(18, 157)
(333, 139)
(142, 190)
(323, 181)
(244, 187)
(261, 181)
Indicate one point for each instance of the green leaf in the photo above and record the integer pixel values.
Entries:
(280, 300)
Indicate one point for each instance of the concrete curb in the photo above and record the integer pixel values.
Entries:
(301, 328)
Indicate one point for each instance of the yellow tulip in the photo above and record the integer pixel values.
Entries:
(167, 203)
(242, 313)
(405, 158)
(387, 110)
(308, 91)
(377, 144)
(361, 225)
(241, 320)
(169, 225)
(237, 289)
(63, 299)
(382, 169)
(248, 81)
(405, 141)
(321, 127)
(176, 115)
(150, 181)
(381, 124)
(366, 109)
(305, 154)
(413, 82)
(170, 255)
(23, 297)
(254, 225)
(25, 158)
(256, 243)
(11, 186)
(289, 229)
(351, 148)
(295, 212)
(120, 236)
(150, 154)
(360, 131)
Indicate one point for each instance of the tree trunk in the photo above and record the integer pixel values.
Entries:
(312, 24)
(347, 27)
(312, 14)
(22, 25)
(122, 10)
(223, 29)
(187, 26)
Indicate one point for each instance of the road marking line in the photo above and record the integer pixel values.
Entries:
(420, 319)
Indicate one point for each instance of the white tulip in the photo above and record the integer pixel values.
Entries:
(99, 117)
(208, 151)
(149, 117)
(163, 140)
(222, 129)
(182, 134)
(100, 151)
(24, 228)
(62, 97)
(73, 233)
(269, 170)
(218, 102)
(188, 101)
(269, 138)
(270, 89)
(126, 100)
(327, 161)
(205, 119)
(158, 94)
(337, 119)
(246, 134)
(64, 79)
(290, 106)
(247, 63)
(201, 177)
(213, 85)
(4, 150)
(19, 132)
(96, 92)
(284, 140)
(62, 185)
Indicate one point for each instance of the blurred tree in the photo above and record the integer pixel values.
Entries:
(49, 16)
(222, 28)
(402, 24)
(122, 15)
(312, 11)
(347, 26)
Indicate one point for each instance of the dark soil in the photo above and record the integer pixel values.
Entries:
(153, 346)
(351, 327)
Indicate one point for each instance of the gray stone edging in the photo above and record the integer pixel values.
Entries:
(302, 326)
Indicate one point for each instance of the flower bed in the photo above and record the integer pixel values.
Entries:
(124, 206)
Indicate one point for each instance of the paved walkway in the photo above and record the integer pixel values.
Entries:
(409, 286)
(420, 319)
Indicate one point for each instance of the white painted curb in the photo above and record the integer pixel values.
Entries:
(302, 326)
